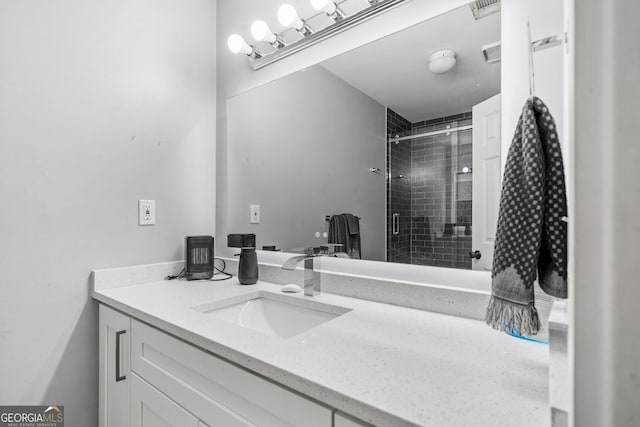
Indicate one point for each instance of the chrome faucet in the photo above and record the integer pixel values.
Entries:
(311, 275)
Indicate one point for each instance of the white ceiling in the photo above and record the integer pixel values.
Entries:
(394, 70)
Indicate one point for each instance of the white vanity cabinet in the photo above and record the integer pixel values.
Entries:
(164, 381)
(114, 376)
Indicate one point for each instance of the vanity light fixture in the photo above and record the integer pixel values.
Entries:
(442, 61)
(237, 44)
(261, 32)
(288, 17)
(329, 7)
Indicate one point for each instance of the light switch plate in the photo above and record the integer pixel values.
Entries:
(255, 214)
(146, 212)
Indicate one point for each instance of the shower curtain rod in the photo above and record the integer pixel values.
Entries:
(432, 133)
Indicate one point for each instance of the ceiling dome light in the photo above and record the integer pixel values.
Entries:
(442, 61)
(288, 17)
(261, 32)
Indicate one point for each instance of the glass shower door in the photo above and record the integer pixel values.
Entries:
(429, 188)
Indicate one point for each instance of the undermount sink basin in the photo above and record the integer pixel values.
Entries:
(273, 314)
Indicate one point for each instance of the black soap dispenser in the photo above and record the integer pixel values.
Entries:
(248, 265)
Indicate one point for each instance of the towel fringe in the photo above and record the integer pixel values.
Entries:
(512, 318)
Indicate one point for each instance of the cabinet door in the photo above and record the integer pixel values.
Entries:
(113, 378)
(150, 408)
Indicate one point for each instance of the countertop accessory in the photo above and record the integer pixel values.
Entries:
(248, 264)
(198, 257)
(291, 288)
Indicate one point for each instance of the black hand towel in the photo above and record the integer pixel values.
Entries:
(531, 235)
(344, 229)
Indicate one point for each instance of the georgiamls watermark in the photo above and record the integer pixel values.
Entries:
(32, 416)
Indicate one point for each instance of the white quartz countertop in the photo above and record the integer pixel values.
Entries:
(384, 364)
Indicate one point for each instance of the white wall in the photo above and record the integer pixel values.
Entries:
(607, 227)
(546, 18)
(301, 147)
(101, 104)
(235, 76)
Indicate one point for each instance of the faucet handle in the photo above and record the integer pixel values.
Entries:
(312, 251)
(325, 249)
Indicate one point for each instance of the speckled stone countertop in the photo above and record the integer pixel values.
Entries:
(384, 364)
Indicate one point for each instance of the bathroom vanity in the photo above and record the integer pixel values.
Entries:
(169, 355)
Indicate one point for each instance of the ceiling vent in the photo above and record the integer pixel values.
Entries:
(482, 8)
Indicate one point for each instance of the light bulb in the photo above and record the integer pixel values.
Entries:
(261, 32)
(288, 17)
(237, 44)
(328, 6)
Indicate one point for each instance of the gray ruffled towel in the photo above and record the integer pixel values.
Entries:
(531, 235)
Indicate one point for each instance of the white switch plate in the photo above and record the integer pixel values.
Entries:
(255, 214)
(146, 212)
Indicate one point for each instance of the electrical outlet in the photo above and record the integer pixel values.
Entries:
(255, 214)
(146, 212)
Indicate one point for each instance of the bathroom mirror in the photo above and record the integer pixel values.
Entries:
(406, 145)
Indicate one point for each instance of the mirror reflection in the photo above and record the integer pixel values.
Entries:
(391, 150)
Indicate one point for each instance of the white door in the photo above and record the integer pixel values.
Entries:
(150, 408)
(486, 181)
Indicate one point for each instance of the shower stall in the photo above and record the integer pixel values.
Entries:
(429, 190)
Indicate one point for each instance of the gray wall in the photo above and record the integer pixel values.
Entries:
(101, 104)
(301, 148)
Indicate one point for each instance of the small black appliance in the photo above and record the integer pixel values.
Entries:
(198, 257)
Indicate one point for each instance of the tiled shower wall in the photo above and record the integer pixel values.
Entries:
(425, 196)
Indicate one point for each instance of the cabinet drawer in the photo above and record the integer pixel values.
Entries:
(214, 390)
